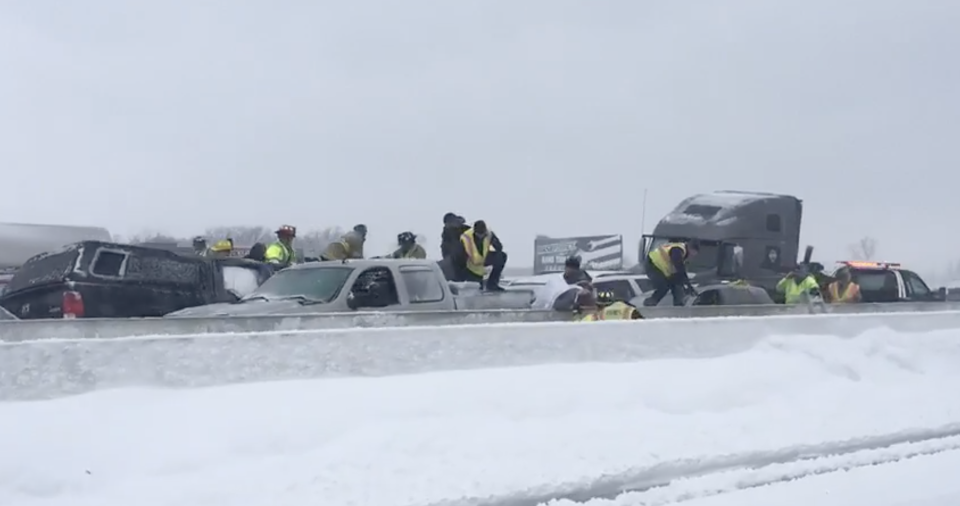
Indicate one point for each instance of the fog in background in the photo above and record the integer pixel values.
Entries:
(547, 117)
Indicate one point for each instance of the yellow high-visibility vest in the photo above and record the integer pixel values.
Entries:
(660, 257)
(476, 258)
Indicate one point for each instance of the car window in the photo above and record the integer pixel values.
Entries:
(709, 297)
(645, 284)
(375, 287)
(875, 281)
(108, 263)
(240, 281)
(915, 285)
(621, 288)
(422, 285)
(320, 284)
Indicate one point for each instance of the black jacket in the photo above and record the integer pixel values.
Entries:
(460, 255)
(450, 240)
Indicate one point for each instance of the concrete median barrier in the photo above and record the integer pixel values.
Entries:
(52, 368)
(29, 330)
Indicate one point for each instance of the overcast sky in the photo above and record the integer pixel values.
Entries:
(546, 117)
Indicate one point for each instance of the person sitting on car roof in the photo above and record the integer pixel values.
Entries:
(844, 290)
(350, 245)
(479, 248)
(222, 248)
(798, 286)
(280, 253)
(454, 226)
(408, 247)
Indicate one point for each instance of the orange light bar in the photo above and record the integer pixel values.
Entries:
(858, 264)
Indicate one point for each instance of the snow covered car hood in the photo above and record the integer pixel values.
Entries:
(254, 307)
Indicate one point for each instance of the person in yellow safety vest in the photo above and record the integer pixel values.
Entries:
(408, 247)
(666, 268)
(349, 246)
(480, 247)
(280, 253)
(844, 290)
(221, 249)
(798, 286)
(612, 309)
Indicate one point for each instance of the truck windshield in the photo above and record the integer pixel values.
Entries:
(706, 260)
(321, 284)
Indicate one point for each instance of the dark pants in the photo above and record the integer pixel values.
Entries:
(495, 259)
(663, 284)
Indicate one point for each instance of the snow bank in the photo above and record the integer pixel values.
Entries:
(480, 436)
(51, 368)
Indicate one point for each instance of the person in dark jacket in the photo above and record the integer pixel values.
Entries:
(666, 267)
(573, 273)
(480, 248)
(453, 227)
(257, 252)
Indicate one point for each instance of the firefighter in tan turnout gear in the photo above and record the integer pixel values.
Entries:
(408, 247)
(349, 246)
(608, 308)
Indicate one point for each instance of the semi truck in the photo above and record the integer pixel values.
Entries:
(743, 235)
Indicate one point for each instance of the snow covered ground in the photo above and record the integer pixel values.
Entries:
(517, 436)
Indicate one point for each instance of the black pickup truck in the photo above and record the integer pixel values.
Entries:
(94, 279)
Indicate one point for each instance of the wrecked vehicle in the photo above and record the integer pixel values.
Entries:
(371, 285)
(94, 279)
(887, 282)
(719, 294)
(743, 235)
(21, 241)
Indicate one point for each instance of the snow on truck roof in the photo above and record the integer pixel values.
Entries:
(19, 241)
(715, 207)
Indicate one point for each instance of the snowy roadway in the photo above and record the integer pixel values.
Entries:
(709, 432)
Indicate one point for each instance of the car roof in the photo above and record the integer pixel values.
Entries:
(869, 266)
(365, 262)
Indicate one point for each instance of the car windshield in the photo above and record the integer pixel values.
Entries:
(321, 284)
(875, 281)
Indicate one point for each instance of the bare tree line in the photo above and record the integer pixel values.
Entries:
(311, 241)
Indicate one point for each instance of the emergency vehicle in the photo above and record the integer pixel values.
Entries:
(889, 282)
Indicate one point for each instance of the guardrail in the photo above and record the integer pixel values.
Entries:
(53, 368)
(12, 331)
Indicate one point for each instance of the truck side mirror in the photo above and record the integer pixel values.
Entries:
(352, 300)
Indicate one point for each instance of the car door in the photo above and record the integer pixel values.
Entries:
(375, 289)
(422, 290)
(916, 289)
